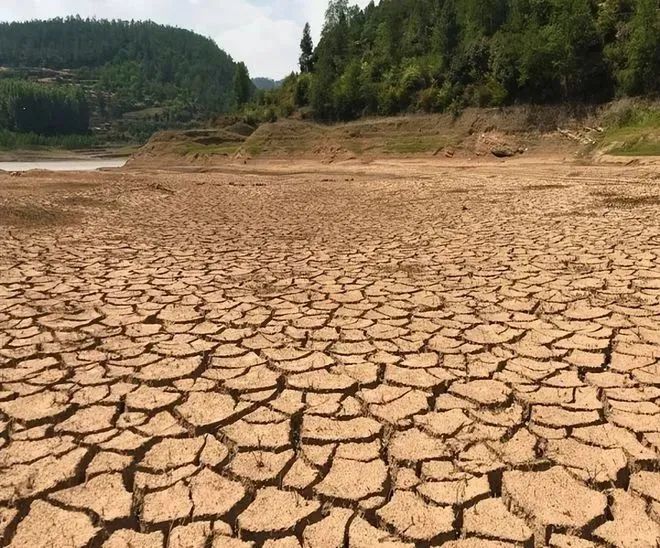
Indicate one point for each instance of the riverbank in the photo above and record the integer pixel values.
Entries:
(49, 154)
(623, 131)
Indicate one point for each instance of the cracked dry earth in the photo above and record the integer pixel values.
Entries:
(386, 355)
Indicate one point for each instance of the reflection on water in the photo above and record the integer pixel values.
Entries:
(63, 165)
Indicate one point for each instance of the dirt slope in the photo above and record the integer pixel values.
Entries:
(568, 131)
(197, 146)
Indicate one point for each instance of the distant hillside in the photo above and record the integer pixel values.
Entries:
(266, 83)
(138, 76)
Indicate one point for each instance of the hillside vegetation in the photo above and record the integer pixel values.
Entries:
(438, 55)
(266, 84)
(137, 76)
(631, 131)
(30, 108)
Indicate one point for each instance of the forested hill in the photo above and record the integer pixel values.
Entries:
(433, 55)
(123, 66)
(266, 83)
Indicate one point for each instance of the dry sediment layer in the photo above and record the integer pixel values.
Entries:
(393, 355)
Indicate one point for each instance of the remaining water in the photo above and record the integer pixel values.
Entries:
(64, 165)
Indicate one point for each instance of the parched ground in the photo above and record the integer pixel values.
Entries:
(393, 354)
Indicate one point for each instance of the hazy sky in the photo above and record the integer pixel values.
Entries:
(263, 33)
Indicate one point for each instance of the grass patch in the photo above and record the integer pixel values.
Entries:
(414, 145)
(13, 141)
(355, 147)
(633, 131)
(210, 150)
(640, 147)
(254, 149)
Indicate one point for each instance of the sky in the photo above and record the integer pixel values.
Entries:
(265, 34)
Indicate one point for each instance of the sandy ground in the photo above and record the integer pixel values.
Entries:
(284, 355)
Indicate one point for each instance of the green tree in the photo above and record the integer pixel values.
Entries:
(578, 48)
(27, 107)
(611, 15)
(641, 71)
(398, 55)
(242, 85)
(415, 39)
(335, 14)
(306, 60)
(446, 33)
(334, 40)
(347, 99)
(384, 46)
(321, 90)
(302, 89)
(482, 17)
(141, 64)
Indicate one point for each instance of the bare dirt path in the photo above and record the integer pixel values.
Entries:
(393, 354)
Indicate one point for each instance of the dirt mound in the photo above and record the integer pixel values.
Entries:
(499, 132)
(285, 137)
(201, 136)
(240, 128)
(194, 146)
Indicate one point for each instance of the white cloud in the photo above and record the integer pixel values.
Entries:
(265, 34)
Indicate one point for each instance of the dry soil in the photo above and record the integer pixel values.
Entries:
(392, 354)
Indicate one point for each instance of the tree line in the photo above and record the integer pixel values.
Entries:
(127, 65)
(26, 107)
(437, 55)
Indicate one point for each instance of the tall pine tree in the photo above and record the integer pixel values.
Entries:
(641, 73)
(306, 51)
(242, 85)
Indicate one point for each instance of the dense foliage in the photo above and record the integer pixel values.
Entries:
(127, 66)
(434, 55)
(306, 61)
(11, 140)
(242, 86)
(26, 107)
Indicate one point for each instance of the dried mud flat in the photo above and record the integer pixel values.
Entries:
(396, 354)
